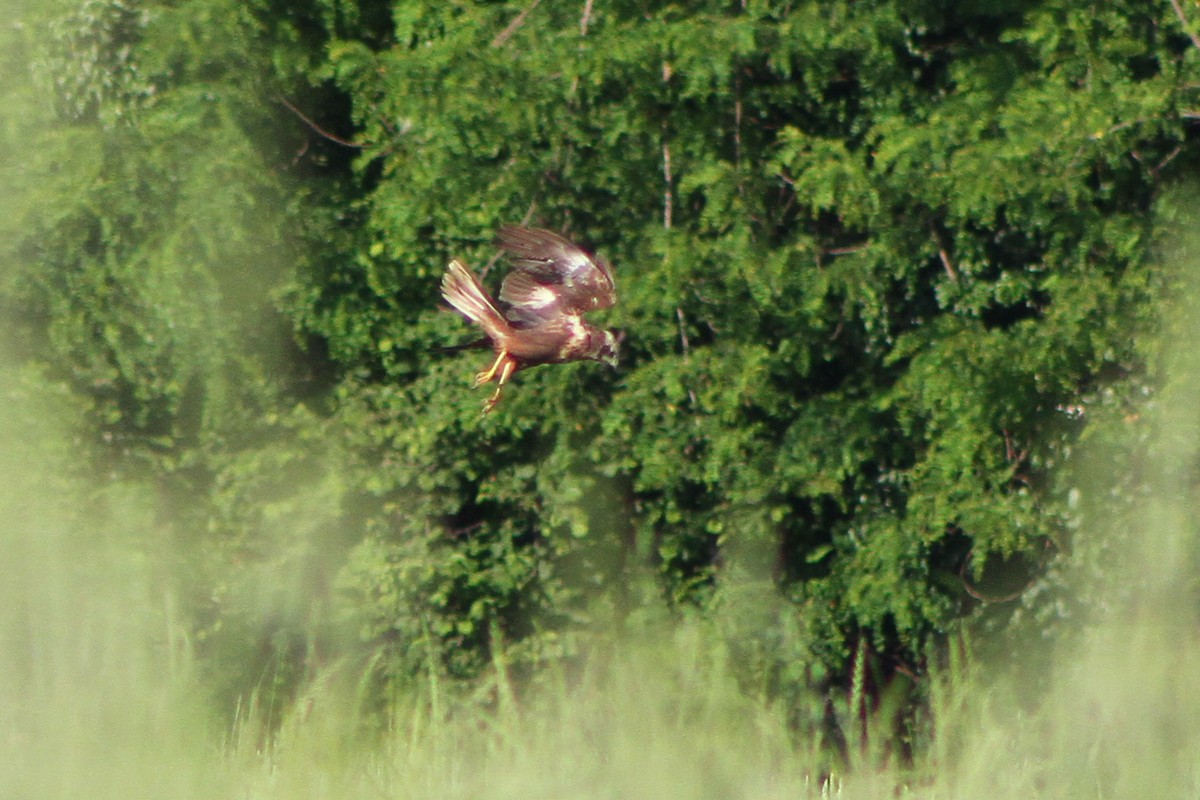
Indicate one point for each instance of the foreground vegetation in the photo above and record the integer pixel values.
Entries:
(98, 681)
(891, 494)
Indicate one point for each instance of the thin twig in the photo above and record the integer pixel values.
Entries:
(847, 250)
(512, 27)
(1183, 20)
(983, 596)
(668, 196)
(1011, 453)
(317, 128)
(528, 213)
(1120, 126)
(1169, 158)
(944, 255)
(496, 256)
(949, 267)
(683, 337)
(586, 19)
(584, 22)
(300, 153)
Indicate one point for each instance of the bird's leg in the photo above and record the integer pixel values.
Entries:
(488, 374)
(506, 372)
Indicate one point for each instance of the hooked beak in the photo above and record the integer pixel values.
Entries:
(611, 352)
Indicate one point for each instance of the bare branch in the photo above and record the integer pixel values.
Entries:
(1165, 161)
(848, 249)
(1157, 168)
(683, 337)
(949, 267)
(512, 27)
(315, 127)
(944, 255)
(586, 19)
(1183, 20)
(668, 196)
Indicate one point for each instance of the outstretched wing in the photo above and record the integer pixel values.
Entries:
(552, 276)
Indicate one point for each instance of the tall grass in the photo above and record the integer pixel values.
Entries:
(649, 721)
(96, 701)
(93, 702)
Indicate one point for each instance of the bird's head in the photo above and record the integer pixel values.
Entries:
(609, 349)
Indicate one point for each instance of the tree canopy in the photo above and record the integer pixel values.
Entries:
(881, 267)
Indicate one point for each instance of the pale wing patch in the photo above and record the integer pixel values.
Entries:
(543, 296)
(530, 298)
(582, 281)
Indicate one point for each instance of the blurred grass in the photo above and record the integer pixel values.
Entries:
(96, 694)
(651, 721)
(93, 692)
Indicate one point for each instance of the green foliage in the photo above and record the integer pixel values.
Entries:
(873, 262)
(146, 245)
(880, 265)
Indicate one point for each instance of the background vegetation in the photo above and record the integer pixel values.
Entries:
(892, 276)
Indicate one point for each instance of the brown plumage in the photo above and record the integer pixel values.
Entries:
(539, 317)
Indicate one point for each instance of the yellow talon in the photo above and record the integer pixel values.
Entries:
(490, 403)
(506, 372)
(488, 374)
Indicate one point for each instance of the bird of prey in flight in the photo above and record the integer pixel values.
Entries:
(539, 316)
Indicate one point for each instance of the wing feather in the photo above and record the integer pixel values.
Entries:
(528, 300)
(552, 275)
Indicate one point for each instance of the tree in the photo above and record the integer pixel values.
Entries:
(881, 265)
(876, 263)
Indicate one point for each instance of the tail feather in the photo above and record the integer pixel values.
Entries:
(463, 291)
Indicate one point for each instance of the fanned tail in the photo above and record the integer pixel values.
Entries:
(463, 291)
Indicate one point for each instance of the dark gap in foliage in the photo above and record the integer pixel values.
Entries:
(806, 537)
(1001, 316)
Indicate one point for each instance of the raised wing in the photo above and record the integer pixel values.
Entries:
(552, 276)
